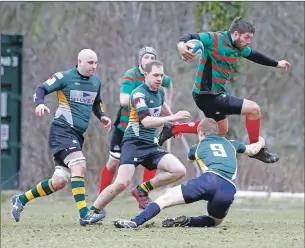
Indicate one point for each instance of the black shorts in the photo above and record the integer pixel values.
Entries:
(210, 187)
(63, 140)
(116, 143)
(218, 106)
(137, 152)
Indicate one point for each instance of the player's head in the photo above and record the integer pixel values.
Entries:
(145, 55)
(241, 32)
(153, 73)
(207, 126)
(87, 62)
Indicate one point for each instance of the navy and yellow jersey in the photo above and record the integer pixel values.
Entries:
(143, 103)
(132, 79)
(216, 62)
(76, 95)
(218, 155)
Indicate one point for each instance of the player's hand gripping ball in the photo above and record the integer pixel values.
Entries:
(196, 48)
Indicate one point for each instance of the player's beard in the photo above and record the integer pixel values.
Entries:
(237, 44)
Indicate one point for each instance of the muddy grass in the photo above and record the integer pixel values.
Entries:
(53, 222)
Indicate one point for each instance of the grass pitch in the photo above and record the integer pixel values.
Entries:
(53, 222)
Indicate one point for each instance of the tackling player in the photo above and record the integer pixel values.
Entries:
(217, 157)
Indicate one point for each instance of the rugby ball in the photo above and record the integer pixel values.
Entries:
(196, 48)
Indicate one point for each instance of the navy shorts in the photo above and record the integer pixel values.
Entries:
(116, 143)
(63, 140)
(218, 106)
(212, 188)
(135, 151)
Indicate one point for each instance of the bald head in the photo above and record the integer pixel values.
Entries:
(87, 62)
(86, 53)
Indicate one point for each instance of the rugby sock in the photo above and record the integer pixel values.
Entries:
(146, 186)
(42, 189)
(201, 221)
(190, 127)
(147, 174)
(253, 127)
(78, 191)
(106, 178)
(149, 212)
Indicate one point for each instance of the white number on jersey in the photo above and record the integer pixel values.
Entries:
(218, 150)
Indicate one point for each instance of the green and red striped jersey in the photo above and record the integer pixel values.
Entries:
(216, 62)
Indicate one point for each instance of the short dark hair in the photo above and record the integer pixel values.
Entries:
(150, 64)
(208, 126)
(241, 25)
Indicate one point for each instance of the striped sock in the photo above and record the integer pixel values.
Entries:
(78, 191)
(146, 186)
(42, 189)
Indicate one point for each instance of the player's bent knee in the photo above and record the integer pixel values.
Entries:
(122, 186)
(218, 221)
(60, 177)
(222, 132)
(112, 164)
(256, 109)
(180, 172)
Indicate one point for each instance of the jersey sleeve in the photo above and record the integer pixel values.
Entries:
(138, 101)
(166, 81)
(239, 147)
(206, 38)
(245, 52)
(54, 83)
(128, 82)
(191, 154)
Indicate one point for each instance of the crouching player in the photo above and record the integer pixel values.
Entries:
(217, 157)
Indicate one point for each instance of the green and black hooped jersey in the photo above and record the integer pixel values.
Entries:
(143, 102)
(216, 62)
(76, 95)
(131, 80)
(216, 154)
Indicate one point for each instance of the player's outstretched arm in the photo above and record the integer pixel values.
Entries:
(152, 121)
(262, 59)
(166, 110)
(249, 150)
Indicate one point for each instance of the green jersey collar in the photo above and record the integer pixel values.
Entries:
(74, 69)
(147, 88)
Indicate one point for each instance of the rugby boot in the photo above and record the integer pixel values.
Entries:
(141, 197)
(17, 207)
(166, 133)
(124, 224)
(265, 156)
(180, 221)
(91, 218)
